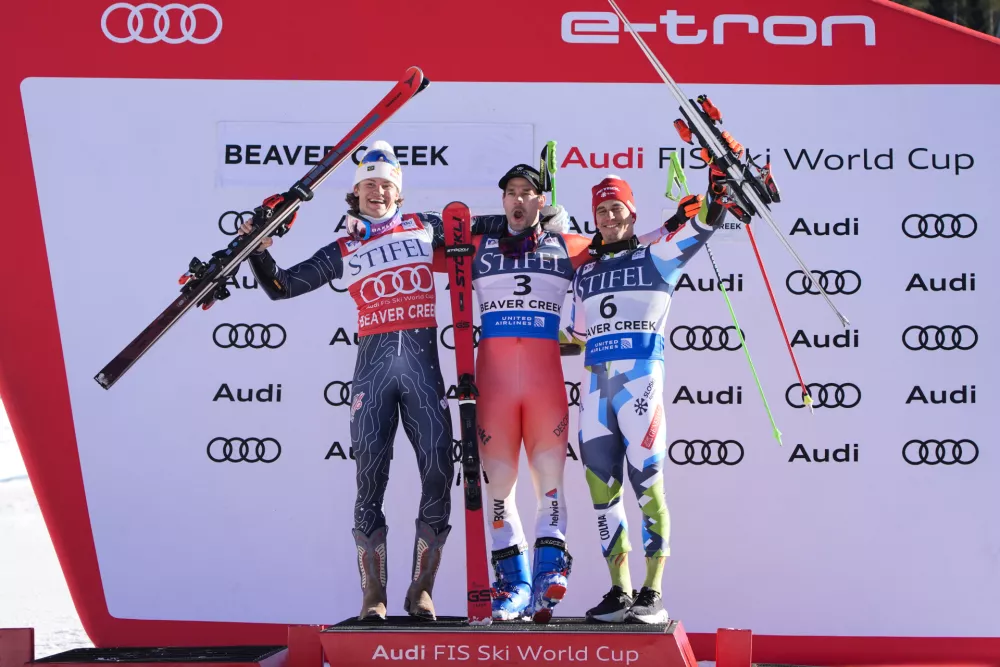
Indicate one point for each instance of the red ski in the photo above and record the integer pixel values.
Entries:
(205, 282)
(457, 221)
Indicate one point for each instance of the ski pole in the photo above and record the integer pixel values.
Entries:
(548, 167)
(711, 142)
(675, 174)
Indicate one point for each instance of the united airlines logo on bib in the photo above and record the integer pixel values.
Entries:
(522, 324)
(626, 301)
(492, 243)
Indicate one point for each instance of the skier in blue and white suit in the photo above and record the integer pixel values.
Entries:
(620, 309)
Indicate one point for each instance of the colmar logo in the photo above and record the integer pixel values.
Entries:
(604, 28)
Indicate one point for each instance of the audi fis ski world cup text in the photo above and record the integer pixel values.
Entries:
(499, 654)
(815, 159)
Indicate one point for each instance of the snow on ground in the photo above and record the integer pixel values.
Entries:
(33, 591)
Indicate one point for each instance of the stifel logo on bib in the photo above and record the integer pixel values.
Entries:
(391, 280)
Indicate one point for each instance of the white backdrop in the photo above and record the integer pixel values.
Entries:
(132, 180)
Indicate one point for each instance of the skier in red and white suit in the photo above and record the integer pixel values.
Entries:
(521, 277)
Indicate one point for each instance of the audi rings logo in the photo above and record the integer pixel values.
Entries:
(244, 450)
(946, 226)
(572, 393)
(337, 393)
(256, 336)
(832, 282)
(705, 452)
(476, 333)
(230, 221)
(945, 337)
(829, 395)
(940, 452)
(701, 338)
(397, 282)
(187, 27)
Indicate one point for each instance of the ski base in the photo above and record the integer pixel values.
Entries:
(457, 221)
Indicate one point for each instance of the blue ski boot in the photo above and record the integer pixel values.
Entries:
(512, 589)
(549, 577)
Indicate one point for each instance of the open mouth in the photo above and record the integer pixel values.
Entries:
(376, 201)
(518, 214)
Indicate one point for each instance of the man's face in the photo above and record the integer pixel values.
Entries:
(521, 203)
(377, 196)
(614, 221)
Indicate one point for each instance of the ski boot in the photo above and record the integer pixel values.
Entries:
(549, 577)
(647, 608)
(427, 548)
(613, 608)
(512, 589)
(372, 565)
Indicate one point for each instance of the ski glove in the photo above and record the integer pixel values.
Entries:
(356, 228)
(688, 208)
(718, 180)
(554, 219)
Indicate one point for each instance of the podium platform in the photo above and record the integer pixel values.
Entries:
(450, 640)
(404, 640)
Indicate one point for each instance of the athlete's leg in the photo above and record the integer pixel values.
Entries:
(427, 422)
(498, 416)
(602, 451)
(546, 423)
(374, 418)
(641, 418)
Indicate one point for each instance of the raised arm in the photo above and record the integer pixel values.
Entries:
(680, 238)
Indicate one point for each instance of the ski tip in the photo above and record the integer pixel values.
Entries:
(412, 72)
